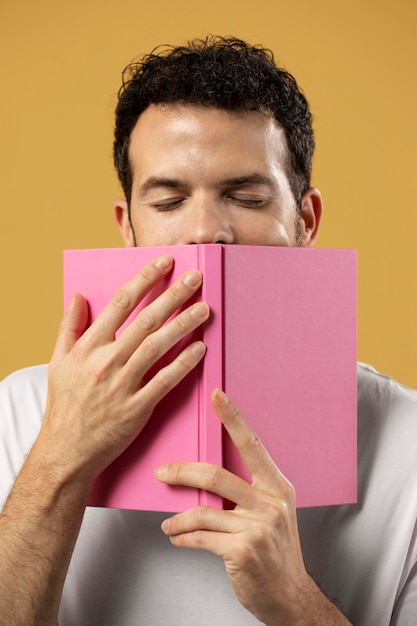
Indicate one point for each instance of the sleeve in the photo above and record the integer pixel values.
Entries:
(405, 612)
(405, 608)
(22, 404)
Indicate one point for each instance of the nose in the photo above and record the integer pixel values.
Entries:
(208, 223)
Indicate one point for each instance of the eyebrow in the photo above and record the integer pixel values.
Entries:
(175, 183)
(154, 181)
(250, 179)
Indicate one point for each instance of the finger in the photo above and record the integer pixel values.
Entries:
(205, 529)
(153, 316)
(215, 542)
(253, 453)
(72, 326)
(202, 518)
(169, 376)
(210, 478)
(159, 343)
(126, 299)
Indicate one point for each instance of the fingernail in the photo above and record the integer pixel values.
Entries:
(161, 472)
(199, 349)
(192, 279)
(199, 310)
(221, 397)
(163, 263)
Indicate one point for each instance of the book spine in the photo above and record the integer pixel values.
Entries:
(210, 429)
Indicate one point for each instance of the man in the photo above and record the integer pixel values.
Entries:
(213, 143)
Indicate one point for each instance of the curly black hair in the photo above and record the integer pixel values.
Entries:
(219, 72)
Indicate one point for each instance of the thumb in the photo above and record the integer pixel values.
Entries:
(73, 325)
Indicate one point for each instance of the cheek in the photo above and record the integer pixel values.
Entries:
(155, 231)
(267, 231)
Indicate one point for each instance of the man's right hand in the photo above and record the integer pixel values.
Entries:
(99, 395)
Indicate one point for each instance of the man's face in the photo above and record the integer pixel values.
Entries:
(203, 175)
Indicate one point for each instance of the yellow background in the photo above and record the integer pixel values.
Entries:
(60, 70)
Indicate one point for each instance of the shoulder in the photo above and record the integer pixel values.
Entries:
(23, 397)
(387, 435)
(22, 405)
(34, 373)
(369, 379)
(28, 382)
(384, 400)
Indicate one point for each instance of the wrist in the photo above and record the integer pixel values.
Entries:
(49, 479)
(308, 607)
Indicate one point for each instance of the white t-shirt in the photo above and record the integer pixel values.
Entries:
(124, 571)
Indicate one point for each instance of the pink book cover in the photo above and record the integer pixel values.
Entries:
(281, 341)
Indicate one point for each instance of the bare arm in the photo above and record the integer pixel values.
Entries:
(258, 540)
(38, 529)
(97, 404)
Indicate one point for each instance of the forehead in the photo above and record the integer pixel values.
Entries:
(176, 130)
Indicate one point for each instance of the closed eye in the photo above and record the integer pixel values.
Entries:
(247, 202)
(167, 205)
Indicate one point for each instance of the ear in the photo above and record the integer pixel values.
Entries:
(121, 213)
(311, 212)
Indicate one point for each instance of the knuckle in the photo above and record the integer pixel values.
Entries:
(151, 350)
(121, 300)
(175, 472)
(203, 515)
(98, 371)
(176, 293)
(213, 477)
(234, 411)
(103, 367)
(275, 510)
(81, 351)
(256, 542)
(163, 381)
(145, 321)
(243, 552)
(252, 442)
(190, 357)
(181, 323)
(184, 361)
(199, 537)
(147, 274)
(279, 510)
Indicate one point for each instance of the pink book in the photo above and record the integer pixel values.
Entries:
(281, 341)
